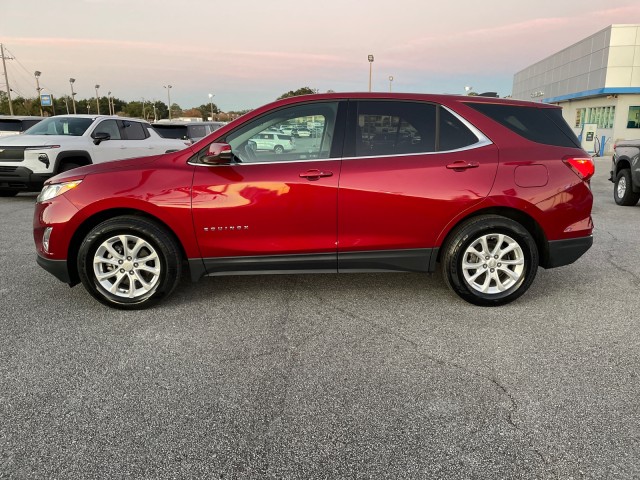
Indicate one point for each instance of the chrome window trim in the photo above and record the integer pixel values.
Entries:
(483, 141)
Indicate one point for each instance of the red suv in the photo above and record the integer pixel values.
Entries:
(491, 189)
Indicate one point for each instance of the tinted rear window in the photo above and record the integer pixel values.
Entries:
(10, 125)
(198, 131)
(172, 131)
(541, 125)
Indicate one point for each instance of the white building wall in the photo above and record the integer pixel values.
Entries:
(599, 72)
(578, 68)
(623, 66)
(619, 131)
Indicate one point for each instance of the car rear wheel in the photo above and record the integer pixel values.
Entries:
(490, 260)
(622, 191)
(129, 262)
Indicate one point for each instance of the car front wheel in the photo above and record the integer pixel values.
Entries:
(622, 191)
(129, 262)
(490, 260)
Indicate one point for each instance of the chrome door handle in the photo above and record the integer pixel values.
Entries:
(315, 174)
(462, 165)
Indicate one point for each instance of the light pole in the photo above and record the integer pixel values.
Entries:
(143, 112)
(211, 104)
(169, 87)
(109, 102)
(97, 99)
(37, 75)
(6, 77)
(390, 80)
(73, 94)
(370, 58)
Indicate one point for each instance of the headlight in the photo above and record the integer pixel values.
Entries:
(51, 191)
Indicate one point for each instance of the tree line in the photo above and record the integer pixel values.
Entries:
(150, 111)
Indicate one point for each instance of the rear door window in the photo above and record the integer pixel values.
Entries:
(401, 128)
(394, 128)
(134, 131)
(453, 134)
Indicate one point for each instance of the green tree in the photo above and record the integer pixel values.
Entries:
(134, 109)
(205, 109)
(295, 93)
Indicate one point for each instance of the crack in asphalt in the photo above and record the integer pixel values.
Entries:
(278, 389)
(439, 361)
(635, 277)
(291, 351)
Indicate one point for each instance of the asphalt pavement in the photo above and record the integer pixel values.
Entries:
(325, 376)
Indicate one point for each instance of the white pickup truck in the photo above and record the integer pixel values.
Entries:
(625, 172)
(64, 142)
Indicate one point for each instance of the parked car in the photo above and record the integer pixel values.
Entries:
(302, 132)
(287, 129)
(491, 190)
(273, 142)
(64, 142)
(14, 125)
(625, 172)
(189, 131)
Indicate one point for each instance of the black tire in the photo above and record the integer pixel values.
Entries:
(503, 282)
(278, 149)
(133, 285)
(623, 189)
(8, 193)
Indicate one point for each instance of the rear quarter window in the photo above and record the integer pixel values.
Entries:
(540, 125)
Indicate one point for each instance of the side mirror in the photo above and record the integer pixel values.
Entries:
(100, 137)
(218, 154)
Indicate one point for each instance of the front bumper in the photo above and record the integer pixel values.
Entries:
(57, 268)
(565, 252)
(21, 179)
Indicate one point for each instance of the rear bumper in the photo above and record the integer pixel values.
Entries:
(565, 252)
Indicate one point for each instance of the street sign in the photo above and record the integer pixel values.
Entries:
(45, 100)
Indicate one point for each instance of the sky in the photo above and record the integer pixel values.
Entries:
(249, 52)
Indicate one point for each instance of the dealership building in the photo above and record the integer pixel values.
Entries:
(596, 82)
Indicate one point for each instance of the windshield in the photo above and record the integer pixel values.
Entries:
(61, 126)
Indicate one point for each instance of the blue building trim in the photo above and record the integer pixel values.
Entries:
(592, 93)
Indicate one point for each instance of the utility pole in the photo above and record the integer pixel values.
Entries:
(73, 95)
(169, 87)
(6, 78)
(97, 99)
(39, 90)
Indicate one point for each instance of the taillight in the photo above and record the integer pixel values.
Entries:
(582, 166)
